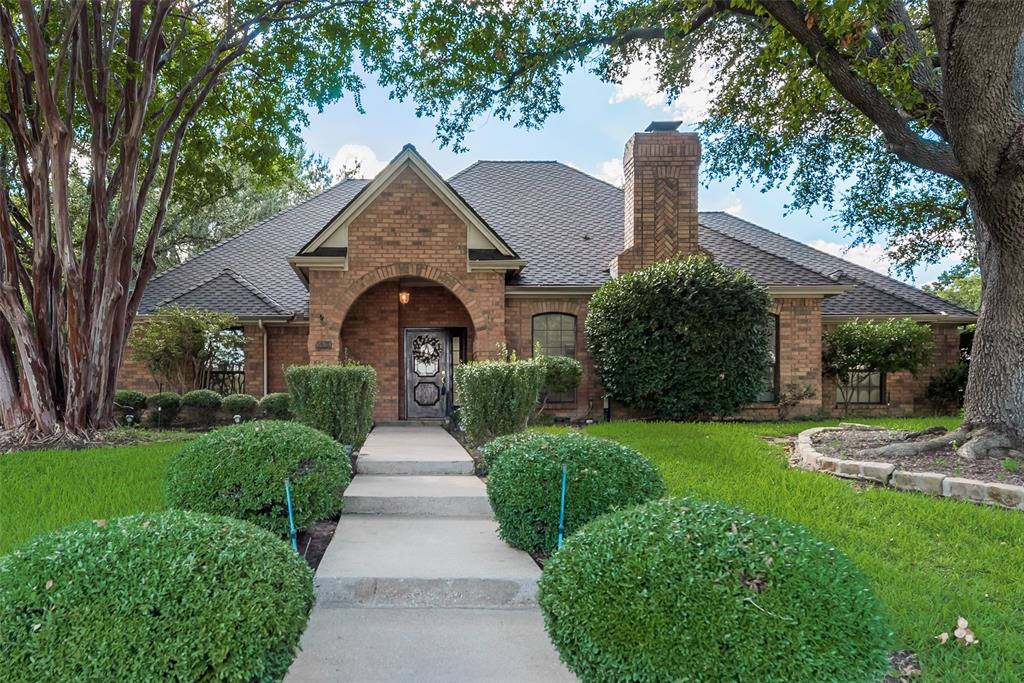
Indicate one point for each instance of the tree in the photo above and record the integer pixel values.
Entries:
(180, 346)
(917, 105)
(859, 347)
(681, 339)
(961, 285)
(124, 97)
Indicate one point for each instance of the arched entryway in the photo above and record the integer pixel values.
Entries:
(413, 331)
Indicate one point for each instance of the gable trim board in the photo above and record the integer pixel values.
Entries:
(476, 227)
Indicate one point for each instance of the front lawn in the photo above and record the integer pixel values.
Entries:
(42, 491)
(929, 559)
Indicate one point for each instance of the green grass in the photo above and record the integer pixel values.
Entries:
(929, 559)
(45, 490)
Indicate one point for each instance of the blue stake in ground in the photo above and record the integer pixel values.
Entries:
(561, 512)
(291, 518)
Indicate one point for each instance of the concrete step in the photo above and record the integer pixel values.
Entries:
(412, 450)
(427, 646)
(401, 561)
(431, 496)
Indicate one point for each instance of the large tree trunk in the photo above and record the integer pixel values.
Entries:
(995, 390)
(981, 46)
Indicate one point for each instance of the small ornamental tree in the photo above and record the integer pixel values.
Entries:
(179, 346)
(681, 339)
(859, 347)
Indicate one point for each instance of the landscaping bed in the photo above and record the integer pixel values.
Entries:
(849, 444)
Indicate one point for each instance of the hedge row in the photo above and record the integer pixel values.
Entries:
(199, 407)
(335, 398)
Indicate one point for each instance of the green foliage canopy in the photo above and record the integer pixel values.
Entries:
(775, 115)
(336, 399)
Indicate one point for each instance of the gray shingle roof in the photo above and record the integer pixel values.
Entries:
(565, 223)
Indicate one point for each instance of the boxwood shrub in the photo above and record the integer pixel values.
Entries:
(336, 399)
(276, 406)
(561, 374)
(201, 398)
(129, 400)
(681, 339)
(525, 483)
(496, 397)
(243, 405)
(163, 408)
(240, 470)
(687, 590)
(160, 596)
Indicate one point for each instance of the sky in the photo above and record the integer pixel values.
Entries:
(589, 135)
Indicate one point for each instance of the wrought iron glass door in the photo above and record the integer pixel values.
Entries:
(428, 372)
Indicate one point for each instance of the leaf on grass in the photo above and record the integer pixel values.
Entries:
(49, 584)
(942, 637)
(101, 523)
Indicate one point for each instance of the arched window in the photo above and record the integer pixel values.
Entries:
(556, 335)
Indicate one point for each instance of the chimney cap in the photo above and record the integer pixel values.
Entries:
(663, 126)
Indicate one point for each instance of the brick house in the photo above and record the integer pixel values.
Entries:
(413, 274)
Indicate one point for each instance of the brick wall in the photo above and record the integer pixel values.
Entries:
(519, 315)
(904, 393)
(660, 183)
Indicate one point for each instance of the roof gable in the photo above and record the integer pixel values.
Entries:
(479, 236)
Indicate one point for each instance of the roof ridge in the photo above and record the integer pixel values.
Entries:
(241, 279)
(896, 291)
(255, 225)
(784, 258)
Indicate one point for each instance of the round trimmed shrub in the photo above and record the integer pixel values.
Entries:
(171, 595)
(525, 484)
(277, 406)
(163, 408)
(239, 471)
(681, 339)
(688, 590)
(243, 405)
(492, 450)
(201, 398)
(129, 400)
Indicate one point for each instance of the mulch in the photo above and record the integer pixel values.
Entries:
(850, 445)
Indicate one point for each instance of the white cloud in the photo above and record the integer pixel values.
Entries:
(871, 256)
(641, 83)
(732, 204)
(349, 155)
(611, 171)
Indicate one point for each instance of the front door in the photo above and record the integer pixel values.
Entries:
(427, 373)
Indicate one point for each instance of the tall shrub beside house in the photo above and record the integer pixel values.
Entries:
(859, 347)
(497, 396)
(336, 399)
(681, 339)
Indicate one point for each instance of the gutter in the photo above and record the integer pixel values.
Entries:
(264, 329)
(952, 319)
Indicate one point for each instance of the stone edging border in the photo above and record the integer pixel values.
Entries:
(886, 474)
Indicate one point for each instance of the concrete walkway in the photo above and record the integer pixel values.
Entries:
(416, 585)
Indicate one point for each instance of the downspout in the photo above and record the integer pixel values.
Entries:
(264, 329)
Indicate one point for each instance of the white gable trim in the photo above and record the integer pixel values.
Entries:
(409, 157)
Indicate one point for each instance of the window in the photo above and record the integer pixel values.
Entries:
(556, 335)
(769, 392)
(866, 386)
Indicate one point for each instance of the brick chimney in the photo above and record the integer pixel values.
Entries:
(660, 172)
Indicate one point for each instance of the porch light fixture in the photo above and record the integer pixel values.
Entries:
(403, 297)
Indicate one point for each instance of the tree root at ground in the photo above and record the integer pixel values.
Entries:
(968, 443)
